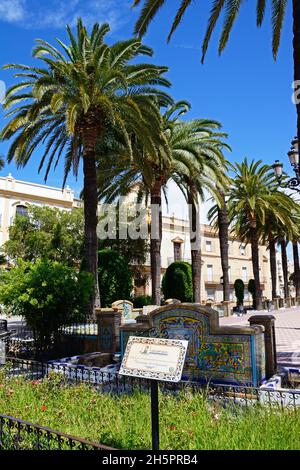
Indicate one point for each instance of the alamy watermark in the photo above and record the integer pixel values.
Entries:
(296, 92)
(2, 91)
(135, 221)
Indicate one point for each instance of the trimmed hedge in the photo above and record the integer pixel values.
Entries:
(178, 282)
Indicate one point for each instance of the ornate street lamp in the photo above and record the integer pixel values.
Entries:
(293, 155)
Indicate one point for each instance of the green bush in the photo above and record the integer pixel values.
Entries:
(239, 289)
(115, 278)
(177, 282)
(141, 301)
(47, 293)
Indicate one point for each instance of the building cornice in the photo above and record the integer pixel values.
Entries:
(8, 193)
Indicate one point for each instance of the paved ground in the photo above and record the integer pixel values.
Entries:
(287, 325)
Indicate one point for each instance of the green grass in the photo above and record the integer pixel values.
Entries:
(187, 421)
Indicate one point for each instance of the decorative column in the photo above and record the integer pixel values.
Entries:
(268, 321)
(109, 322)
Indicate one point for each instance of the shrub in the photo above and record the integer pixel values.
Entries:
(47, 293)
(177, 282)
(141, 301)
(115, 278)
(239, 288)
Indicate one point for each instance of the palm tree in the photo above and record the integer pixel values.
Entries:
(223, 226)
(82, 91)
(252, 195)
(207, 163)
(284, 260)
(196, 162)
(296, 267)
(275, 230)
(231, 9)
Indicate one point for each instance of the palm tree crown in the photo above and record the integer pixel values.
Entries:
(82, 91)
(231, 10)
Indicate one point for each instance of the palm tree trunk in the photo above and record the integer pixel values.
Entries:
(257, 300)
(195, 240)
(273, 266)
(89, 137)
(296, 267)
(284, 266)
(155, 242)
(223, 224)
(296, 44)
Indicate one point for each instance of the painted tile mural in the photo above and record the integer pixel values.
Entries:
(229, 358)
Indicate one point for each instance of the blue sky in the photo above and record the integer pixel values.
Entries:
(244, 89)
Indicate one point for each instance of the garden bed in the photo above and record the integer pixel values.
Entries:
(188, 421)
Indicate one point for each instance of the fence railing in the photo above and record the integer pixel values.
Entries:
(16, 434)
(114, 383)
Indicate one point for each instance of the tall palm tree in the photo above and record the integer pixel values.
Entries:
(284, 260)
(196, 162)
(296, 267)
(253, 194)
(223, 226)
(202, 140)
(276, 229)
(80, 92)
(231, 10)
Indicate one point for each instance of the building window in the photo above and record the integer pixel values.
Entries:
(177, 251)
(22, 211)
(244, 274)
(242, 250)
(210, 294)
(208, 245)
(209, 272)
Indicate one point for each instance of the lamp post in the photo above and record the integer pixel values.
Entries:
(293, 183)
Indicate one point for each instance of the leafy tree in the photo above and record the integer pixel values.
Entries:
(81, 91)
(47, 294)
(239, 289)
(177, 282)
(115, 277)
(134, 251)
(47, 233)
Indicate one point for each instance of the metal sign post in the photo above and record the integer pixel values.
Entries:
(154, 415)
(156, 359)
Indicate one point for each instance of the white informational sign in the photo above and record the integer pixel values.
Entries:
(154, 358)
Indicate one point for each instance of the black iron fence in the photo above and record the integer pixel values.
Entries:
(3, 325)
(16, 434)
(109, 382)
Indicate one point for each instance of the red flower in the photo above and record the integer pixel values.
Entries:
(35, 382)
(173, 428)
(44, 408)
